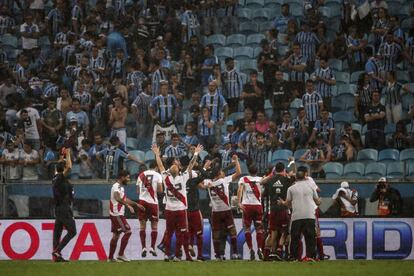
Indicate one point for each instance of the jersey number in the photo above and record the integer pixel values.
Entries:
(220, 187)
(177, 186)
(149, 179)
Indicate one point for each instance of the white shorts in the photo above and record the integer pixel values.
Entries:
(168, 131)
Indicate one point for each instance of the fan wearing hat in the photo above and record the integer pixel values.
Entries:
(347, 199)
(389, 199)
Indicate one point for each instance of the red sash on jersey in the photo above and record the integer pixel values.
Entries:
(174, 191)
(256, 191)
(147, 185)
(221, 194)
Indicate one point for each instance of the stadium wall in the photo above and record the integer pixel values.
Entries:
(362, 238)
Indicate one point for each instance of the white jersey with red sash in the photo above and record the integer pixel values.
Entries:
(251, 192)
(115, 208)
(219, 194)
(147, 183)
(175, 191)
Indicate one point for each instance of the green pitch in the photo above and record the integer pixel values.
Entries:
(214, 268)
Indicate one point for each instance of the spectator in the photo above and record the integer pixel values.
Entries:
(189, 22)
(312, 102)
(354, 136)
(389, 52)
(117, 119)
(363, 96)
(226, 157)
(281, 23)
(52, 121)
(355, 50)
(324, 147)
(195, 107)
(344, 151)
(140, 108)
(389, 199)
(247, 138)
(393, 100)
(308, 42)
(190, 138)
(259, 154)
(301, 125)
(218, 77)
(97, 146)
(207, 64)
(268, 62)
(29, 159)
(29, 121)
(262, 123)
(374, 69)
(375, 118)
(324, 79)
(400, 139)
(163, 110)
(160, 141)
(206, 128)
(78, 115)
(232, 85)
(232, 134)
(253, 93)
(380, 26)
(314, 157)
(7, 88)
(189, 75)
(286, 132)
(30, 33)
(10, 159)
(325, 128)
(279, 94)
(347, 199)
(409, 53)
(248, 115)
(296, 65)
(176, 149)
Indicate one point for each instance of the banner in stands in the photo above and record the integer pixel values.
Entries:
(363, 239)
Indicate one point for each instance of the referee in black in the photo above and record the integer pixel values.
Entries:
(302, 197)
(63, 197)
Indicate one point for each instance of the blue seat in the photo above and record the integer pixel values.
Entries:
(265, 26)
(254, 39)
(354, 170)
(394, 7)
(132, 143)
(410, 169)
(281, 155)
(224, 52)
(133, 168)
(149, 155)
(261, 15)
(356, 126)
(407, 101)
(343, 117)
(375, 170)
(248, 65)
(217, 40)
(236, 40)
(254, 3)
(395, 169)
(248, 28)
(296, 9)
(9, 40)
(403, 76)
(407, 155)
(389, 129)
(355, 76)
(333, 170)
(342, 77)
(244, 14)
(325, 11)
(388, 155)
(243, 53)
(243, 77)
(335, 64)
(271, 4)
(367, 155)
(236, 116)
(257, 51)
(140, 155)
(298, 153)
(345, 89)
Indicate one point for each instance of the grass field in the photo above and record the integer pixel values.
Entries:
(159, 268)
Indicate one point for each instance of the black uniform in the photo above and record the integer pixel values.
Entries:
(192, 191)
(275, 189)
(63, 197)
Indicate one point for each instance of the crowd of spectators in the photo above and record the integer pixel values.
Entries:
(83, 70)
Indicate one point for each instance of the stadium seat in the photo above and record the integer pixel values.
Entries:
(335, 64)
(236, 116)
(243, 53)
(236, 40)
(325, 11)
(342, 77)
(149, 155)
(345, 89)
(217, 40)
(406, 24)
(254, 3)
(394, 7)
(298, 153)
(354, 170)
(265, 26)
(272, 4)
(246, 66)
(132, 143)
(364, 129)
(403, 76)
(257, 51)
(9, 40)
(375, 170)
(254, 40)
(355, 76)
(407, 101)
(281, 155)
(395, 169)
(224, 52)
(410, 169)
(203, 154)
(388, 155)
(343, 117)
(243, 76)
(75, 171)
(407, 155)
(333, 170)
(261, 15)
(248, 28)
(140, 155)
(356, 126)
(296, 9)
(244, 14)
(389, 129)
(133, 167)
(367, 155)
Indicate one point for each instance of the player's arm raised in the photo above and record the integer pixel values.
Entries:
(156, 150)
(68, 165)
(193, 160)
(236, 175)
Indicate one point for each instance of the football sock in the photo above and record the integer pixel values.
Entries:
(259, 239)
(154, 235)
(319, 246)
(143, 237)
(112, 247)
(248, 237)
(233, 241)
(200, 245)
(124, 243)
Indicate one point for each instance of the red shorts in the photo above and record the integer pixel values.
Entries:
(279, 220)
(176, 220)
(119, 224)
(222, 220)
(195, 222)
(252, 213)
(150, 213)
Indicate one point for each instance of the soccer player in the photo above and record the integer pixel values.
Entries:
(63, 197)
(175, 184)
(221, 215)
(250, 202)
(275, 188)
(149, 183)
(119, 224)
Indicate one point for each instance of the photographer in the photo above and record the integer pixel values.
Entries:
(389, 199)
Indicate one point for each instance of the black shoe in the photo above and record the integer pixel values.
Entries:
(144, 253)
(252, 255)
(161, 247)
(200, 259)
(324, 257)
(57, 258)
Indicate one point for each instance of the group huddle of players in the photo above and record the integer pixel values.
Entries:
(183, 216)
